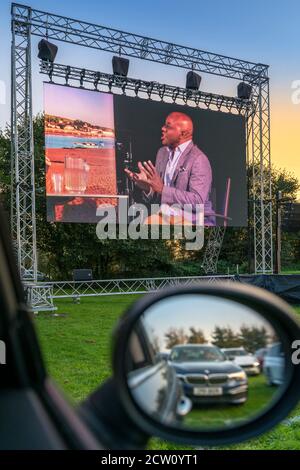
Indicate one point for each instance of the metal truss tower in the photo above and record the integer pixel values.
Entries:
(213, 249)
(258, 146)
(23, 220)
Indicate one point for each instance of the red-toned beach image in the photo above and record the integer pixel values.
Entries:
(79, 151)
(84, 171)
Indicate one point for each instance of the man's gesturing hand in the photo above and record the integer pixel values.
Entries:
(140, 179)
(153, 177)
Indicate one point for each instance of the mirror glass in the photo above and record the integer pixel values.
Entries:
(204, 362)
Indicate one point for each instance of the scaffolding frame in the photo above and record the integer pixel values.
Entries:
(28, 22)
(100, 81)
(77, 289)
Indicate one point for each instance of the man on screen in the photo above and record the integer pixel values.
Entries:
(181, 175)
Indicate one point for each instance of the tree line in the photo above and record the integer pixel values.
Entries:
(251, 338)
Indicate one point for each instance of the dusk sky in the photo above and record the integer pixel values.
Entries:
(74, 103)
(258, 31)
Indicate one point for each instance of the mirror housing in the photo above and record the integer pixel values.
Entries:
(269, 307)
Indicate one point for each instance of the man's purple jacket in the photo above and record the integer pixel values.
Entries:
(191, 182)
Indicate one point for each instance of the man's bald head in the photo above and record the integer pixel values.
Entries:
(182, 120)
(177, 129)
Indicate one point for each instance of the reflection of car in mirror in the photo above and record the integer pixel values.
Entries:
(153, 382)
(274, 364)
(247, 361)
(207, 376)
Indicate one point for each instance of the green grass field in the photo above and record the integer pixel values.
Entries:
(260, 396)
(291, 269)
(77, 351)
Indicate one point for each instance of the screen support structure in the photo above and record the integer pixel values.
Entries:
(28, 22)
(23, 220)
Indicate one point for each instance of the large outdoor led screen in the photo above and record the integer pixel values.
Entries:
(91, 137)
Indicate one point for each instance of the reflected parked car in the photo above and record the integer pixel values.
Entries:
(244, 359)
(207, 376)
(274, 364)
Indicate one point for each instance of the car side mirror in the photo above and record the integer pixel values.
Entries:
(197, 397)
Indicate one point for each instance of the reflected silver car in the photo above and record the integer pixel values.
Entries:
(247, 361)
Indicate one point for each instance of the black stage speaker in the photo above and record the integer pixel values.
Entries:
(47, 50)
(193, 81)
(82, 275)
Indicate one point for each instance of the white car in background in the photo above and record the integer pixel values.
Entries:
(274, 364)
(242, 358)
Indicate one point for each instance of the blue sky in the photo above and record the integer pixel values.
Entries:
(260, 31)
(74, 103)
